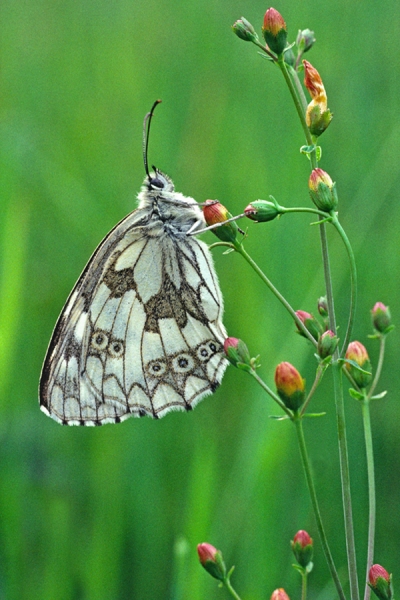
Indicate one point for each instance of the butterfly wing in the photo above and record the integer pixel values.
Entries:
(141, 332)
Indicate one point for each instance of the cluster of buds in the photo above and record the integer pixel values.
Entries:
(318, 115)
(380, 582)
(327, 340)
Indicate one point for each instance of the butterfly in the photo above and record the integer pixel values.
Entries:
(141, 332)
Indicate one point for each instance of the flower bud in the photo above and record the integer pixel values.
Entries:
(305, 40)
(327, 344)
(214, 212)
(289, 385)
(261, 210)
(211, 559)
(310, 323)
(323, 307)
(245, 30)
(380, 582)
(318, 115)
(357, 353)
(322, 190)
(279, 594)
(302, 546)
(274, 31)
(236, 352)
(381, 317)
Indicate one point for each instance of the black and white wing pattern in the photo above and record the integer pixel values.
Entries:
(141, 332)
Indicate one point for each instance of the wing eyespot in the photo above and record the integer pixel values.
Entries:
(99, 341)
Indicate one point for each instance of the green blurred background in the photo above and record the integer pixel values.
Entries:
(116, 512)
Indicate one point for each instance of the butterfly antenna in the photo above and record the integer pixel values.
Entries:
(146, 133)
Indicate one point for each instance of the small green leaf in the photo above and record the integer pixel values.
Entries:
(356, 394)
(314, 415)
(279, 418)
(309, 567)
(379, 396)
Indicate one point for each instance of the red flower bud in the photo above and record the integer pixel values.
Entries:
(211, 559)
(279, 594)
(322, 190)
(214, 212)
(357, 353)
(302, 546)
(381, 318)
(236, 351)
(380, 582)
(289, 385)
(310, 323)
(274, 31)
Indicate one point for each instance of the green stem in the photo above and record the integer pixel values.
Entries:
(270, 392)
(230, 589)
(353, 278)
(379, 367)
(295, 78)
(314, 501)
(345, 479)
(371, 489)
(304, 585)
(239, 248)
(297, 103)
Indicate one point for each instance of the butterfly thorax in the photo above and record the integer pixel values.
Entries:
(176, 212)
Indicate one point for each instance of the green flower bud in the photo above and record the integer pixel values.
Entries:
(322, 190)
(357, 353)
(381, 318)
(261, 210)
(245, 30)
(380, 582)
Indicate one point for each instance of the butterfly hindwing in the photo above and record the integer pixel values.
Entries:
(141, 332)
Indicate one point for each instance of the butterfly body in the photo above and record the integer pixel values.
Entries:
(141, 332)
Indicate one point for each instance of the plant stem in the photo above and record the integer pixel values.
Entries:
(314, 501)
(297, 102)
(230, 589)
(304, 585)
(239, 248)
(345, 479)
(353, 278)
(369, 451)
(379, 366)
(270, 392)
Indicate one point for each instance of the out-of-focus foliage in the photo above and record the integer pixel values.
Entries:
(117, 512)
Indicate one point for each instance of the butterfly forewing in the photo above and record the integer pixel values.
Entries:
(141, 332)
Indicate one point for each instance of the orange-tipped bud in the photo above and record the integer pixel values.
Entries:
(322, 190)
(380, 582)
(214, 212)
(211, 559)
(310, 323)
(237, 352)
(318, 115)
(302, 546)
(327, 344)
(358, 355)
(289, 385)
(245, 30)
(261, 211)
(381, 318)
(279, 594)
(274, 31)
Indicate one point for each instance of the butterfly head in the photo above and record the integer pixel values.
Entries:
(157, 183)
